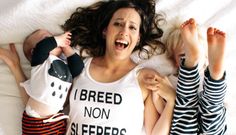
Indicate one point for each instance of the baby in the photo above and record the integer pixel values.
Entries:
(44, 94)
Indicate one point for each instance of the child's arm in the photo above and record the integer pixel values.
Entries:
(11, 58)
(153, 82)
(48, 45)
(75, 63)
(42, 50)
(166, 92)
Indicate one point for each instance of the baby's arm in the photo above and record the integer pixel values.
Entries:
(42, 50)
(52, 45)
(11, 58)
(63, 41)
(75, 62)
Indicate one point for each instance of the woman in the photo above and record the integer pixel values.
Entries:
(110, 97)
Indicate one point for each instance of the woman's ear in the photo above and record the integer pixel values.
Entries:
(138, 40)
(139, 37)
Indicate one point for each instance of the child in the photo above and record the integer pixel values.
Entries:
(203, 112)
(175, 50)
(45, 92)
(194, 112)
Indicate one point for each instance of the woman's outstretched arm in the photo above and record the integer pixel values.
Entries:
(11, 58)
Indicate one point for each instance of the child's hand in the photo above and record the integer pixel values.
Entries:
(165, 89)
(161, 86)
(10, 56)
(63, 40)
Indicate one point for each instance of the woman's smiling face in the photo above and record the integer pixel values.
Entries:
(122, 33)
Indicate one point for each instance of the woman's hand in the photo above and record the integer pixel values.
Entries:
(12, 59)
(10, 56)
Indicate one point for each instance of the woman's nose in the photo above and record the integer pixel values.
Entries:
(124, 31)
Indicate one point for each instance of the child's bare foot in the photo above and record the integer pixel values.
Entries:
(216, 52)
(63, 40)
(189, 34)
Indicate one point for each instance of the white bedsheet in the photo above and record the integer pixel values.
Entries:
(18, 18)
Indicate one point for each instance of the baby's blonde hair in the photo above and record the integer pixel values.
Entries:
(173, 39)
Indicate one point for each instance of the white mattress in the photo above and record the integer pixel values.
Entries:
(19, 18)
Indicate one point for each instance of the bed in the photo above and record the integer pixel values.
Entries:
(19, 18)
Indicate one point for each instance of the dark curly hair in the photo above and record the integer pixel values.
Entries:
(87, 24)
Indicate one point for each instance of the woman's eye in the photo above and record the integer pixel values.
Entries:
(133, 28)
(117, 24)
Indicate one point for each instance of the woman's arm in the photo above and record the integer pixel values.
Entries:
(11, 58)
(155, 123)
(150, 114)
(167, 92)
(163, 124)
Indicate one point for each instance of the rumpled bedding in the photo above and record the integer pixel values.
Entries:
(19, 18)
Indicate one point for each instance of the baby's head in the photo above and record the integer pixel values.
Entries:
(31, 41)
(175, 46)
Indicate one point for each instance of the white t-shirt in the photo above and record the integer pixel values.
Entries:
(106, 108)
(49, 82)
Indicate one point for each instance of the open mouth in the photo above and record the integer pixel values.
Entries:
(121, 44)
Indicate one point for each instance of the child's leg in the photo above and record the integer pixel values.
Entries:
(185, 119)
(216, 52)
(212, 98)
(189, 34)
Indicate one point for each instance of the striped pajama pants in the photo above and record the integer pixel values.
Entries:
(36, 126)
(199, 113)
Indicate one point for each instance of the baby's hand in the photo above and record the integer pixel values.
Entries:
(63, 40)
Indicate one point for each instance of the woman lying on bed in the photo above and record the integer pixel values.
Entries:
(109, 97)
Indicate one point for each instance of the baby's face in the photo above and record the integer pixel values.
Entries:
(32, 40)
(178, 52)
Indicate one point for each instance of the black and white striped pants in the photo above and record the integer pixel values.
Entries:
(202, 112)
